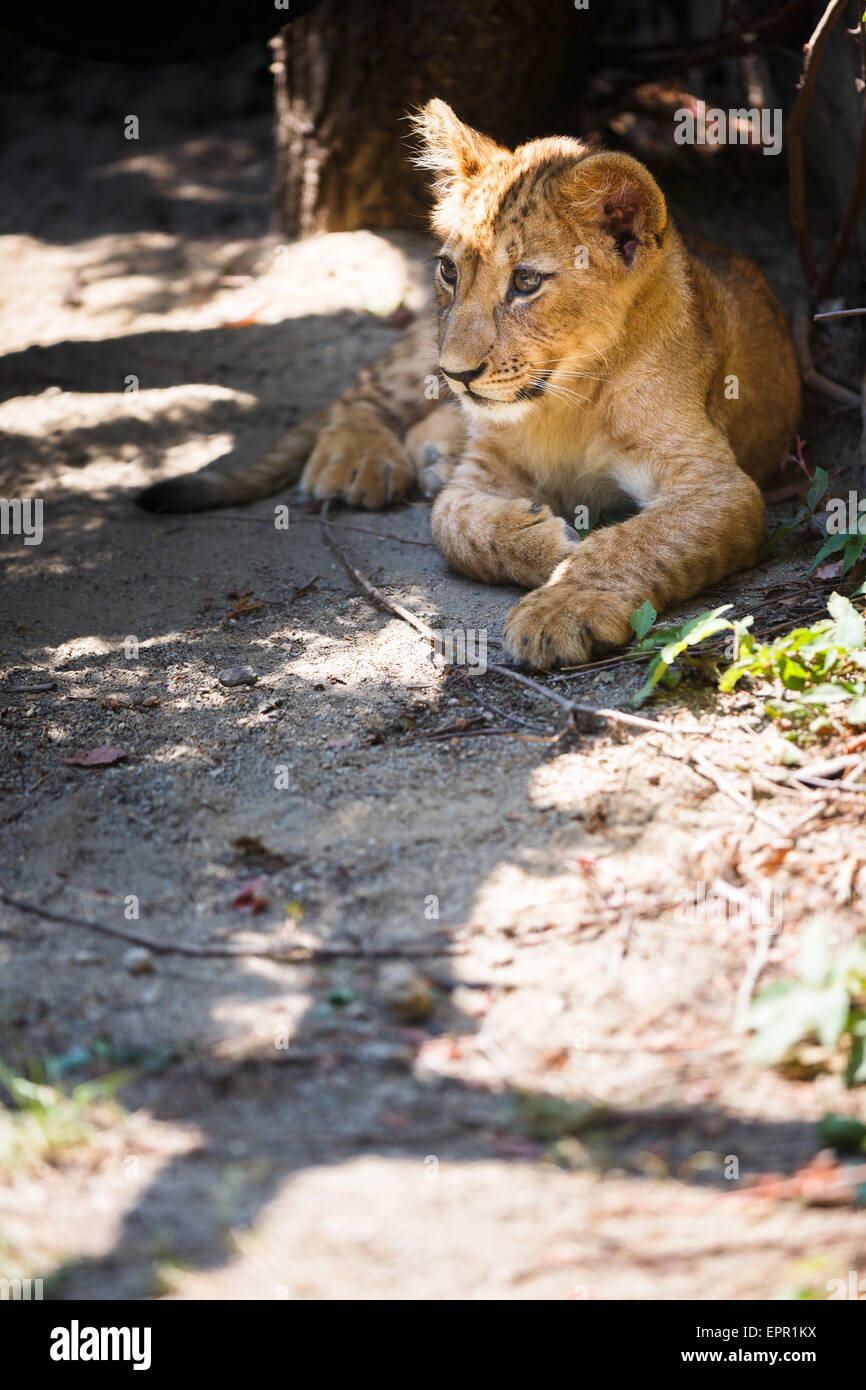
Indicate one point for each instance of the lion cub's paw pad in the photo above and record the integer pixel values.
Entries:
(558, 625)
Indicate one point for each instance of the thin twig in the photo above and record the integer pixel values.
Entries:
(289, 953)
(611, 716)
(838, 314)
(811, 376)
(693, 52)
(809, 778)
(309, 520)
(487, 704)
(27, 689)
(759, 958)
(484, 732)
(805, 87)
(721, 783)
(366, 584)
(849, 218)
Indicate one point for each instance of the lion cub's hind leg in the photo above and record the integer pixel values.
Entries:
(435, 446)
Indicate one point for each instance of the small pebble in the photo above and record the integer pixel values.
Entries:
(138, 960)
(238, 675)
(406, 994)
(387, 1054)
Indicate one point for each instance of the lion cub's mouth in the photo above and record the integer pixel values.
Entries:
(524, 393)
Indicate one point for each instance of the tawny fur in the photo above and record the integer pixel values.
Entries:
(645, 369)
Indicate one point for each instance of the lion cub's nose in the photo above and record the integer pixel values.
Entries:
(464, 377)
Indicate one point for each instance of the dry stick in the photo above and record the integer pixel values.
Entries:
(720, 782)
(841, 788)
(289, 954)
(442, 734)
(367, 584)
(850, 217)
(826, 767)
(811, 376)
(805, 87)
(796, 121)
(571, 673)
(27, 689)
(488, 704)
(838, 314)
(612, 716)
(691, 52)
(760, 956)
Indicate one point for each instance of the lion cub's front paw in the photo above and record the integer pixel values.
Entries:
(360, 462)
(558, 625)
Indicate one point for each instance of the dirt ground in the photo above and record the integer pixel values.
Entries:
(562, 1125)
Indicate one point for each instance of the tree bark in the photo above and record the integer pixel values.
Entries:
(348, 72)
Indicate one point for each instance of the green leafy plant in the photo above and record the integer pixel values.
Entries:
(825, 1002)
(43, 1119)
(849, 541)
(819, 672)
(672, 645)
(816, 667)
(843, 1132)
(817, 488)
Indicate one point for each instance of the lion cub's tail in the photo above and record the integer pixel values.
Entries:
(278, 468)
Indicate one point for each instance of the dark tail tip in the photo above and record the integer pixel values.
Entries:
(189, 494)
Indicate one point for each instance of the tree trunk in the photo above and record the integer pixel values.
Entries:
(348, 72)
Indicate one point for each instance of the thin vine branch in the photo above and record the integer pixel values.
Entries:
(289, 954)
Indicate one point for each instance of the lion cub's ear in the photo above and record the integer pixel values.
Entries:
(452, 151)
(622, 199)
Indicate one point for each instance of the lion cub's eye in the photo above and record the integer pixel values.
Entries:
(448, 270)
(525, 280)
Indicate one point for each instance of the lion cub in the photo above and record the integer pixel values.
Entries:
(598, 359)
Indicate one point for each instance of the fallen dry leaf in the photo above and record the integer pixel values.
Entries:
(244, 603)
(824, 1182)
(97, 757)
(250, 899)
(250, 317)
(829, 571)
(770, 857)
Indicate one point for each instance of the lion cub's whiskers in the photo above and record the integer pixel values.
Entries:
(563, 393)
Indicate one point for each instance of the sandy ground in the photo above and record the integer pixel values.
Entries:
(561, 1126)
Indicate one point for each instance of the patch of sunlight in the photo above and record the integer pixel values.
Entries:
(361, 270)
(78, 647)
(256, 1025)
(179, 753)
(567, 782)
(521, 893)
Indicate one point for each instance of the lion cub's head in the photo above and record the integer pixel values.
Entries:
(544, 249)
